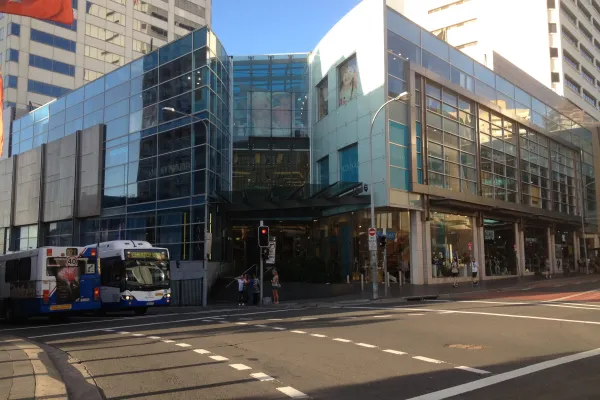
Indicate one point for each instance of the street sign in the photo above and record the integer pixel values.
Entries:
(71, 261)
(372, 239)
(272, 247)
(470, 246)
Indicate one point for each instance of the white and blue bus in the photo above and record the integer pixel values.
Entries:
(134, 275)
(51, 281)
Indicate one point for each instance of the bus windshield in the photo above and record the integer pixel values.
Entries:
(146, 274)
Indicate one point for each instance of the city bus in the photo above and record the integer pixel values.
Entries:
(47, 281)
(134, 275)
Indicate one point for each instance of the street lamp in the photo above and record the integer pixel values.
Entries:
(401, 97)
(585, 253)
(204, 256)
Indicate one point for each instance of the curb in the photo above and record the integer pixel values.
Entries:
(81, 385)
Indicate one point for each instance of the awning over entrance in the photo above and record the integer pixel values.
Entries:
(306, 201)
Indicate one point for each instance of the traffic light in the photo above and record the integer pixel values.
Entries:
(263, 236)
(382, 241)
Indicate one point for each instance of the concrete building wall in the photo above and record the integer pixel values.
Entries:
(27, 187)
(59, 179)
(90, 173)
(6, 191)
(359, 34)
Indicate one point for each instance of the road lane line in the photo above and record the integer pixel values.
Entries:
(370, 346)
(494, 379)
(109, 330)
(475, 370)
(124, 333)
(261, 326)
(429, 360)
(293, 393)
(510, 303)
(381, 316)
(275, 319)
(216, 318)
(278, 328)
(342, 340)
(153, 337)
(300, 332)
(317, 335)
(138, 334)
(308, 318)
(241, 323)
(219, 358)
(394, 352)
(208, 320)
(223, 322)
(446, 312)
(183, 345)
(201, 351)
(168, 341)
(571, 296)
(147, 324)
(415, 314)
(239, 367)
(261, 377)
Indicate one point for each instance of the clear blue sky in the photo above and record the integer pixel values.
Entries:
(247, 27)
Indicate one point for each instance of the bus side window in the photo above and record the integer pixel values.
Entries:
(9, 272)
(24, 271)
(18, 270)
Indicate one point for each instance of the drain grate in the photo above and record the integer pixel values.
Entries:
(466, 346)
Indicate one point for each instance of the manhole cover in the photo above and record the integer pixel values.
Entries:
(466, 346)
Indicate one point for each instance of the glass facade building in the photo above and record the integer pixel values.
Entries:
(166, 147)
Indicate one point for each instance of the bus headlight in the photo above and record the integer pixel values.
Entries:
(168, 295)
(127, 297)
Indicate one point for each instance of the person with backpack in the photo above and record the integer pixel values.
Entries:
(242, 285)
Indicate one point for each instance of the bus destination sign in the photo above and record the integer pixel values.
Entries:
(160, 255)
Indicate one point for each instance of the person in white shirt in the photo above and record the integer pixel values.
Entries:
(474, 271)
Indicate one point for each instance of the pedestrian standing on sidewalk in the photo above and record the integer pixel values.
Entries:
(242, 282)
(255, 288)
(454, 270)
(547, 268)
(275, 285)
(474, 271)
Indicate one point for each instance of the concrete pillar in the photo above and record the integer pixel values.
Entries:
(479, 245)
(550, 241)
(520, 242)
(576, 255)
(418, 260)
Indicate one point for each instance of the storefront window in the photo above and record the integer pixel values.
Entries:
(563, 248)
(563, 179)
(534, 169)
(451, 237)
(499, 247)
(536, 249)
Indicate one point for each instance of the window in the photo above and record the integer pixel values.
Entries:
(18, 270)
(10, 81)
(447, 6)
(587, 76)
(51, 65)
(568, 13)
(58, 233)
(569, 37)
(585, 32)
(191, 7)
(1, 33)
(46, 89)
(104, 55)
(104, 34)
(572, 84)
(25, 237)
(14, 29)
(75, 4)
(323, 95)
(586, 54)
(149, 29)
(141, 47)
(12, 55)
(570, 60)
(552, 28)
(349, 163)
(105, 13)
(151, 10)
(534, 169)
(89, 75)
(186, 23)
(584, 11)
(347, 81)
(400, 159)
(52, 40)
(72, 27)
(564, 198)
(589, 98)
(323, 170)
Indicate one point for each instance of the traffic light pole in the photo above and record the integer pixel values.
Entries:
(385, 272)
(261, 273)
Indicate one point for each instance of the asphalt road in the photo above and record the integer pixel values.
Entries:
(538, 342)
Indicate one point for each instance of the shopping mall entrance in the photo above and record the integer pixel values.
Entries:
(499, 247)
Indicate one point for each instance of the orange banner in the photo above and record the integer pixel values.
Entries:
(1, 115)
(52, 10)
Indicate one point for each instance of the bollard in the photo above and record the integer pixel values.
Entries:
(362, 283)
(399, 278)
(347, 278)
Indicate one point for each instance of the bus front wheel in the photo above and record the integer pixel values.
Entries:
(140, 311)
(8, 313)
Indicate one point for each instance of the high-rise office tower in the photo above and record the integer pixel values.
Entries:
(41, 60)
(555, 41)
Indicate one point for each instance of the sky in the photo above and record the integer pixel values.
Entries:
(249, 27)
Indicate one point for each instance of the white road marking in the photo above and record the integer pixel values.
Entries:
(128, 318)
(293, 393)
(581, 304)
(308, 318)
(510, 303)
(382, 316)
(241, 323)
(576, 306)
(275, 319)
(300, 332)
(147, 324)
(216, 317)
(370, 346)
(439, 301)
(261, 326)
(477, 371)
(201, 351)
(394, 352)
(317, 335)
(219, 358)
(208, 320)
(138, 334)
(239, 367)
(108, 330)
(168, 341)
(429, 360)
(124, 333)
(571, 296)
(153, 337)
(447, 312)
(261, 377)
(494, 379)
(415, 314)
(223, 322)
(342, 340)
(183, 345)
(278, 328)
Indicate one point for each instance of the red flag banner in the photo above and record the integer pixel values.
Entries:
(1, 116)
(52, 10)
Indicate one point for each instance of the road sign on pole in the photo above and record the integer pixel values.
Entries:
(372, 239)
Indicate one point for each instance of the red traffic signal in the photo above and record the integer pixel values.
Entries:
(263, 236)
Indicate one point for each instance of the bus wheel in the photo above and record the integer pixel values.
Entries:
(140, 311)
